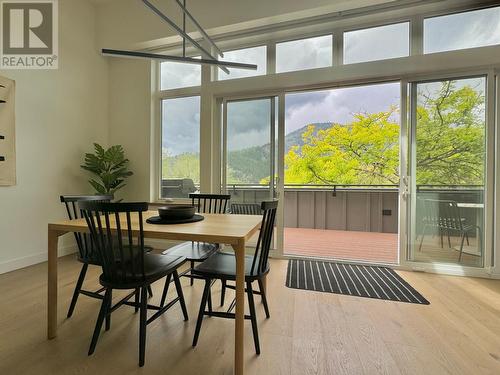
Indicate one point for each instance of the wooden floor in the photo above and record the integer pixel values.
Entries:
(308, 333)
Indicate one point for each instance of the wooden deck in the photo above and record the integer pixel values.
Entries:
(339, 244)
(373, 247)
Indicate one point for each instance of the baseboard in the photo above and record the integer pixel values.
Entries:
(29, 260)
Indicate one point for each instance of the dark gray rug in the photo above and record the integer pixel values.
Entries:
(351, 279)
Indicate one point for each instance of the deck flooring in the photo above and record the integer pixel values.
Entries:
(371, 247)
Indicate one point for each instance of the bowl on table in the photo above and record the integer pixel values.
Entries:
(176, 212)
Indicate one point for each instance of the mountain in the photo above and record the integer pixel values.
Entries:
(251, 165)
(295, 138)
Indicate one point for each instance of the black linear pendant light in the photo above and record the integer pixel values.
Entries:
(207, 57)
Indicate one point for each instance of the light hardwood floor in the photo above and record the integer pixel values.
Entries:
(308, 333)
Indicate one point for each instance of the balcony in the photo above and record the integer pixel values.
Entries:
(361, 222)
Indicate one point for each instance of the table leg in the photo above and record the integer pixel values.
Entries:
(239, 250)
(53, 237)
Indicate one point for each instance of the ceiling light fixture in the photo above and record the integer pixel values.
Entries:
(207, 57)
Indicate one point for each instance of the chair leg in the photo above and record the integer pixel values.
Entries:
(108, 312)
(422, 238)
(100, 319)
(191, 282)
(264, 298)
(78, 287)
(441, 235)
(223, 292)
(461, 246)
(253, 317)
(150, 291)
(449, 240)
(137, 297)
(467, 238)
(210, 297)
(178, 287)
(165, 290)
(142, 325)
(203, 303)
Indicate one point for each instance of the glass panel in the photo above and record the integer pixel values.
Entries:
(342, 173)
(377, 43)
(449, 168)
(175, 75)
(249, 130)
(248, 139)
(462, 30)
(180, 147)
(254, 55)
(304, 54)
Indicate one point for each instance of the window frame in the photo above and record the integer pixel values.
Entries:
(304, 38)
(409, 21)
(215, 73)
(158, 176)
(459, 10)
(184, 87)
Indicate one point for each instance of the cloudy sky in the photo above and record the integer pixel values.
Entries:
(248, 122)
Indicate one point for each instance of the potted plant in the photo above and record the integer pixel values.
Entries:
(110, 167)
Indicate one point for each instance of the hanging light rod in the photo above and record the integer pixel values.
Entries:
(182, 33)
(199, 28)
(188, 60)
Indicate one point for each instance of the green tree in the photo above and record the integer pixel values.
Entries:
(450, 144)
(186, 165)
(450, 136)
(362, 152)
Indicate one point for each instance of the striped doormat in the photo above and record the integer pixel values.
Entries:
(351, 279)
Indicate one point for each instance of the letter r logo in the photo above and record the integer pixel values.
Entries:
(27, 28)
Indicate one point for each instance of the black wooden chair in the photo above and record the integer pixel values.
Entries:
(240, 209)
(196, 252)
(86, 252)
(223, 266)
(246, 209)
(126, 265)
(444, 215)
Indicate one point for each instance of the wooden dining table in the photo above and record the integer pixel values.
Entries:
(234, 230)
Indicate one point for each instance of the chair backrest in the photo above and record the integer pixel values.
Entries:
(444, 214)
(246, 209)
(122, 260)
(210, 203)
(261, 256)
(71, 202)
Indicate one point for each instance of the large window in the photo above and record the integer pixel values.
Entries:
(377, 43)
(175, 75)
(462, 30)
(180, 162)
(254, 55)
(304, 54)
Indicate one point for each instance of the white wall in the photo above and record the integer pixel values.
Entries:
(130, 121)
(59, 115)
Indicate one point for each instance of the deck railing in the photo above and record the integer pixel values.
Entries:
(372, 208)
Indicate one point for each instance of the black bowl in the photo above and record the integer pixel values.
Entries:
(176, 212)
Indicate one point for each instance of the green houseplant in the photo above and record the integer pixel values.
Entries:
(110, 167)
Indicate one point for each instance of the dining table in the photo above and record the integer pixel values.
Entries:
(233, 230)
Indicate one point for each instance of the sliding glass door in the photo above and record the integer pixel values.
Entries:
(447, 166)
(341, 173)
(249, 150)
